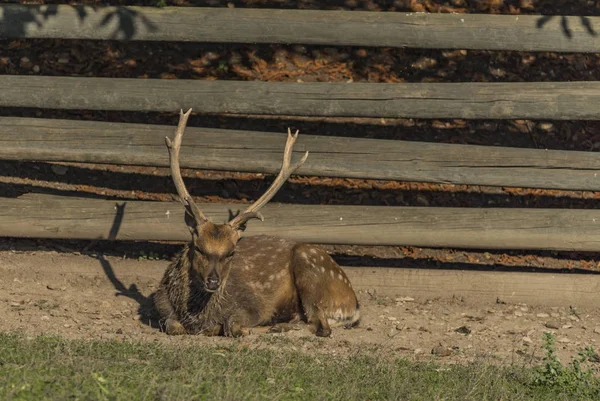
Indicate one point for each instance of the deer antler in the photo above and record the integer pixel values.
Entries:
(183, 193)
(252, 212)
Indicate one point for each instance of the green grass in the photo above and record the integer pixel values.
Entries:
(57, 369)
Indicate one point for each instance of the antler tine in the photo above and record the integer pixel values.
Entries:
(252, 212)
(173, 147)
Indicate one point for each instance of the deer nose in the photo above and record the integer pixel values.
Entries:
(212, 283)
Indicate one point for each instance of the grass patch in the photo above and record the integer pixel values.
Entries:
(57, 369)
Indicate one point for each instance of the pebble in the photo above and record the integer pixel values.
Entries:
(45, 317)
(527, 340)
(518, 313)
(567, 326)
(564, 340)
(36, 68)
(554, 314)
(543, 315)
(63, 60)
(597, 330)
(391, 318)
(574, 318)
(404, 299)
(418, 351)
(552, 325)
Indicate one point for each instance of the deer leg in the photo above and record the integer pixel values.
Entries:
(164, 308)
(321, 325)
(213, 331)
(283, 327)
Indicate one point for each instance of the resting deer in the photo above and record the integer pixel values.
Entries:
(221, 283)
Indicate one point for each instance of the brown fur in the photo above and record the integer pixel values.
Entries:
(268, 280)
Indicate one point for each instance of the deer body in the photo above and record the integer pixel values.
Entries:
(221, 283)
(271, 281)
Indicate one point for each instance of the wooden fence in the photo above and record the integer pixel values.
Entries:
(36, 139)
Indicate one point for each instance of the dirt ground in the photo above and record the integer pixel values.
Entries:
(92, 290)
(107, 297)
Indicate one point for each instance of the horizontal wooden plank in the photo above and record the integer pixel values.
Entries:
(46, 216)
(543, 289)
(389, 29)
(547, 100)
(248, 151)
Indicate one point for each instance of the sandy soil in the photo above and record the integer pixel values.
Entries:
(108, 297)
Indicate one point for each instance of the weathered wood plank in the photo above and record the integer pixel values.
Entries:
(248, 151)
(47, 216)
(549, 100)
(389, 29)
(547, 289)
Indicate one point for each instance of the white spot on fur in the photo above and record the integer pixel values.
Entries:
(331, 273)
(304, 255)
(271, 277)
(340, 276)
(322, 258)
(313, 251)
(322, 269)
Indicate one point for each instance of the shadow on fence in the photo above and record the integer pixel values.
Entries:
(564, 23)
(16, 20)
(146, 308)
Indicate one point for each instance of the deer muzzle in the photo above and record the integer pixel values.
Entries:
(212, 283)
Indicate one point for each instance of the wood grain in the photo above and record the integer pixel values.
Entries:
(48, 216)
(249, 151)
(343, 28)
(484, 287)
(536, 100)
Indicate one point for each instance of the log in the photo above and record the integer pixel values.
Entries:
(532, 100)
(333, 28)
(51, 216)
(247, 151)
(482, 287)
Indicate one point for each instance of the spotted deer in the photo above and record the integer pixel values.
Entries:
(224, 284)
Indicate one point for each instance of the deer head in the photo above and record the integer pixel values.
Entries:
(213, 245)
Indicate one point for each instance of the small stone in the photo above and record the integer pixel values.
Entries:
(552, 325)
(527, 340)
(36, 69)
(404, 299)
(51, 287)
(418, 351)
(369, 328)
(463, 330)
(543, 315)
(518, 313)
(554, 314)
(119, 331)
(63, 60)
(597, 330)
(393, 332)
(15, 304)
(564, 340)
(574, 318)
(45, 317)
(66, 325)
(567, 326)
(392, 318)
